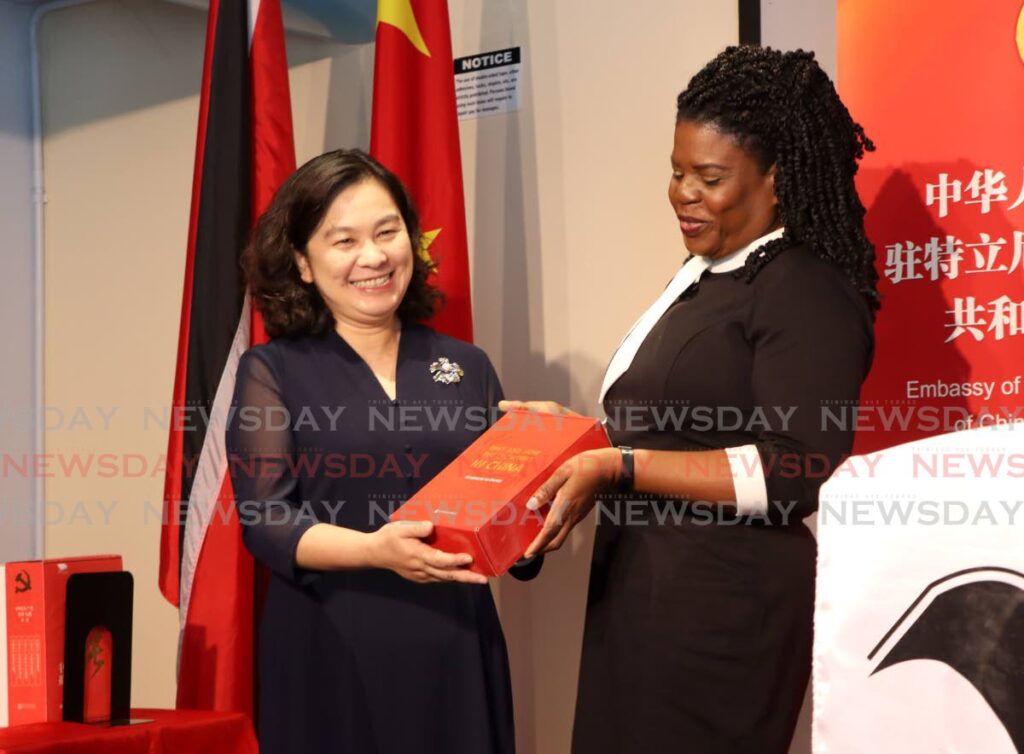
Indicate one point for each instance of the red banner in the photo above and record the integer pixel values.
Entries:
(939, 87)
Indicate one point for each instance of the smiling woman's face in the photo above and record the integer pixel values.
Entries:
(719, 193)
(360, 256)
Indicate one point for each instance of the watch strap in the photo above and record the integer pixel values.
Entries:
(627, 471)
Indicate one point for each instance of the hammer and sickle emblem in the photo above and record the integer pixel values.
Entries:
(23, 582)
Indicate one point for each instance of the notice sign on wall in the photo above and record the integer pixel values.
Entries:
(488, 83)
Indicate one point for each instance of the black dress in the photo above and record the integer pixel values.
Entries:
(699, 620)
(363, 662)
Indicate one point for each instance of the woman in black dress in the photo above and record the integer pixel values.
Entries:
(699, 615)
(371, 641)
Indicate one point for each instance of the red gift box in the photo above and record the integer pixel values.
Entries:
(478, 502)
(32, 600)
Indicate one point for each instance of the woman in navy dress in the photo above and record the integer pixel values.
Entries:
(371, 641)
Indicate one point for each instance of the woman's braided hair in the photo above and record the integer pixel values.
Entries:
(782, 108)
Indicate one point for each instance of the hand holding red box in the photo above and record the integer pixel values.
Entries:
(478, 502)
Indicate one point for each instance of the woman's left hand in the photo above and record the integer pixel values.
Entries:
(571, 490)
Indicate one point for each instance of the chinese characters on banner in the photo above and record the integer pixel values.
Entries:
(947, 258)
(920, 579)
(945, 200)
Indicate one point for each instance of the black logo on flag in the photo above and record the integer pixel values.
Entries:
(22, 582)
(973, 621)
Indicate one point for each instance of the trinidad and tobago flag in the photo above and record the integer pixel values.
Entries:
(415, 133)
(244, 151)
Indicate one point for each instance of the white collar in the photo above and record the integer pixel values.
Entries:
(738, 258)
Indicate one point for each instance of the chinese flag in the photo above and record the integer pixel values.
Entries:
(244, 151)
(415, 133)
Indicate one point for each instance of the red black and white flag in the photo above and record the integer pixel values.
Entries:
(244, 151)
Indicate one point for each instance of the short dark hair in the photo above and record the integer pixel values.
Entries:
(291, 307)
(783, 109)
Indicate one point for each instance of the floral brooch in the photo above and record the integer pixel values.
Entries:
(445, 371)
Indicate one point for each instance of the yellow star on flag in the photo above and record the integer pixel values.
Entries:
(424, 251)
(399, 13)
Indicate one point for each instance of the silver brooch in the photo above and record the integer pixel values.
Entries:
(447, 372)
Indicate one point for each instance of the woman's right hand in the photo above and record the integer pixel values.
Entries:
(541, 407)
(399, 547)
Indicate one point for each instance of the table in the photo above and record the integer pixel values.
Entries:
(170, 732)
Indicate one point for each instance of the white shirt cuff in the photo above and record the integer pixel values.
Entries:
(748, 479)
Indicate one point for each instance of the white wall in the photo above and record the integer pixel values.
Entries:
(17, 299)
(802, 24)
(572, 236)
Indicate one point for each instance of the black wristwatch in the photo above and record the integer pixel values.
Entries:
(626, 480)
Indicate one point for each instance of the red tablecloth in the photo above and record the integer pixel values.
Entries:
(170, 732)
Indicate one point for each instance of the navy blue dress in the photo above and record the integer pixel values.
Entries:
(363, 662)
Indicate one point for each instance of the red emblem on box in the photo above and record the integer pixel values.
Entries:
(32, 635)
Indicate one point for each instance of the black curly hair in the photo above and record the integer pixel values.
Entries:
(782, 108)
